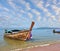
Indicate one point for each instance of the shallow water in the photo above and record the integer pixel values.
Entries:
(39, 37)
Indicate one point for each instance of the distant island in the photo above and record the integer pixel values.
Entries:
(23, 28)
(47, 28)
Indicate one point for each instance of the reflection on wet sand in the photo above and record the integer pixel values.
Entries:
(14, 42)
(11, 44)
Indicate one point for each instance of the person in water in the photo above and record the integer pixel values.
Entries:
(29, 36)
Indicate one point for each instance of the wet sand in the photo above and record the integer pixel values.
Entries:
(54, 47)
(47, 47)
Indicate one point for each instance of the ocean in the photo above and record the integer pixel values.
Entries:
(39, 37)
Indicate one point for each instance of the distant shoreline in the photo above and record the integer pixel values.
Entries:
(28, 28)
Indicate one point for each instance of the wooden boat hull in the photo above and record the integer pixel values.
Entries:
(20, 35)
(24, 35)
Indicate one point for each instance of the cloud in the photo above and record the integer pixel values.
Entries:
(30, 15)
(40, 4)
(38, 18)
(36, 12)
(28, 6)
(12, 4)
(21, 1)
(34, 1)
(47, 4)
(44, 19)
(17, 8)
(8, 21)
(9, 0)
(22, 11)
(59, 18)
(56, 9)
(48, 14)
(6, 9)
(25, 4)
(8, 18)
(45, 10)
(58, 3)
(1, 6)
(53, 17)
(54, 1)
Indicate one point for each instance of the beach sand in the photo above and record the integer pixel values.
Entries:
(46, 47)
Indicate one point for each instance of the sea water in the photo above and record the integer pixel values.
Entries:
(39, 37)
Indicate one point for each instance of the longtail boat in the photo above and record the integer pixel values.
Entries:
(54, 31)
(19, 34)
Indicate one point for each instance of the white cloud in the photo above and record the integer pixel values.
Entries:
(54, 1)
(50, 22)
(22, 1)
(58, 3)
(35, 1)
(7, 18)
(28, 6)
(59, 20)
(40, 5)
(30, 15)
(19, 12)
(6, 9)
(47, 4)
(35, 12)
(48, 14)
(25, 4)
(22, 11)
(53, 17)
(56, 9)
(9, 0)
(51, 25)
(38, 18)
(0, 15)
(12, 4)
(1, 6)
(45, 10)
(19, 15)
(44, 19)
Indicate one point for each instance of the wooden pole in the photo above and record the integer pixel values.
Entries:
(32, 24)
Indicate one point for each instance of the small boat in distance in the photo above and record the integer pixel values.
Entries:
(19, 34)
(54, 31)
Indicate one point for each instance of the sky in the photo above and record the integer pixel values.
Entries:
(20, 13)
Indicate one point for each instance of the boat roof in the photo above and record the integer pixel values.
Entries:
(15, 30)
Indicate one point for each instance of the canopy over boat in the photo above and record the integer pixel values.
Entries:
(19, 34)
